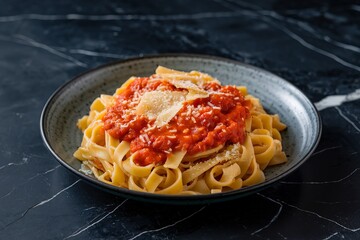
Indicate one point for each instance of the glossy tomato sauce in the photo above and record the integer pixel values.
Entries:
(201, 124)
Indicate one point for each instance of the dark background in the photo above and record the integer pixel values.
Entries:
(313, 44)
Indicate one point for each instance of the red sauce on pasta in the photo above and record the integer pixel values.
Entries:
(201, 124)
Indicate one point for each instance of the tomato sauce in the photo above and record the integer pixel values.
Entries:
(201, 124)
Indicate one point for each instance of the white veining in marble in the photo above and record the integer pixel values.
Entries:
(355, 7)
(89, 208)
(325, 182)
(8, 193)
(125, 17)
(322, 217)
(297, 37)
(167, 226)
(347, 119)
(306, 27)
(177, 17)
(273, 219)
(353, 115)
(40, 204)
(24, 160)
(303, 25)
(187, 41)
(342, 45)
(282, 236)
(326, 149)
(32, 42)
(24, 40)
(337, 100)
(312, 213)
(97, 54)
(77, 232)
(317, 49)
(55, 195)
(28, 180)
(46, 172)
(330, 236)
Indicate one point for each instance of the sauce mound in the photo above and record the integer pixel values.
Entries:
(199, 124)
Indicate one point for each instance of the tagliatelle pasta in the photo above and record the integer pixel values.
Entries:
(179, 133)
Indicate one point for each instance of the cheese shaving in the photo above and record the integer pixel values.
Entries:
(193, 76)
(160, 106)
(194, 90)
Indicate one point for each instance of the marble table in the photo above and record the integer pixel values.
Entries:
(315, 46)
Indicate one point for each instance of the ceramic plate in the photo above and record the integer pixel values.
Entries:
(72, 100)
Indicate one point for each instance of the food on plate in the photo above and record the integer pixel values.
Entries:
(179, 133)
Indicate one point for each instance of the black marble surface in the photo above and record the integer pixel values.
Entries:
(313, 44)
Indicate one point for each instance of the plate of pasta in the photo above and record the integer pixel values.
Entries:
(180, 128)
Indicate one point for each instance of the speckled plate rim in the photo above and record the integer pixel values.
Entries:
(174, 199)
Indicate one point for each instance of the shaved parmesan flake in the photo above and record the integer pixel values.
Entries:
(164, 70)
(191, 81)
(194, 90)
(187, 85)
(166, 115)
(193, 76)
(160, 105)
(194, 95)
